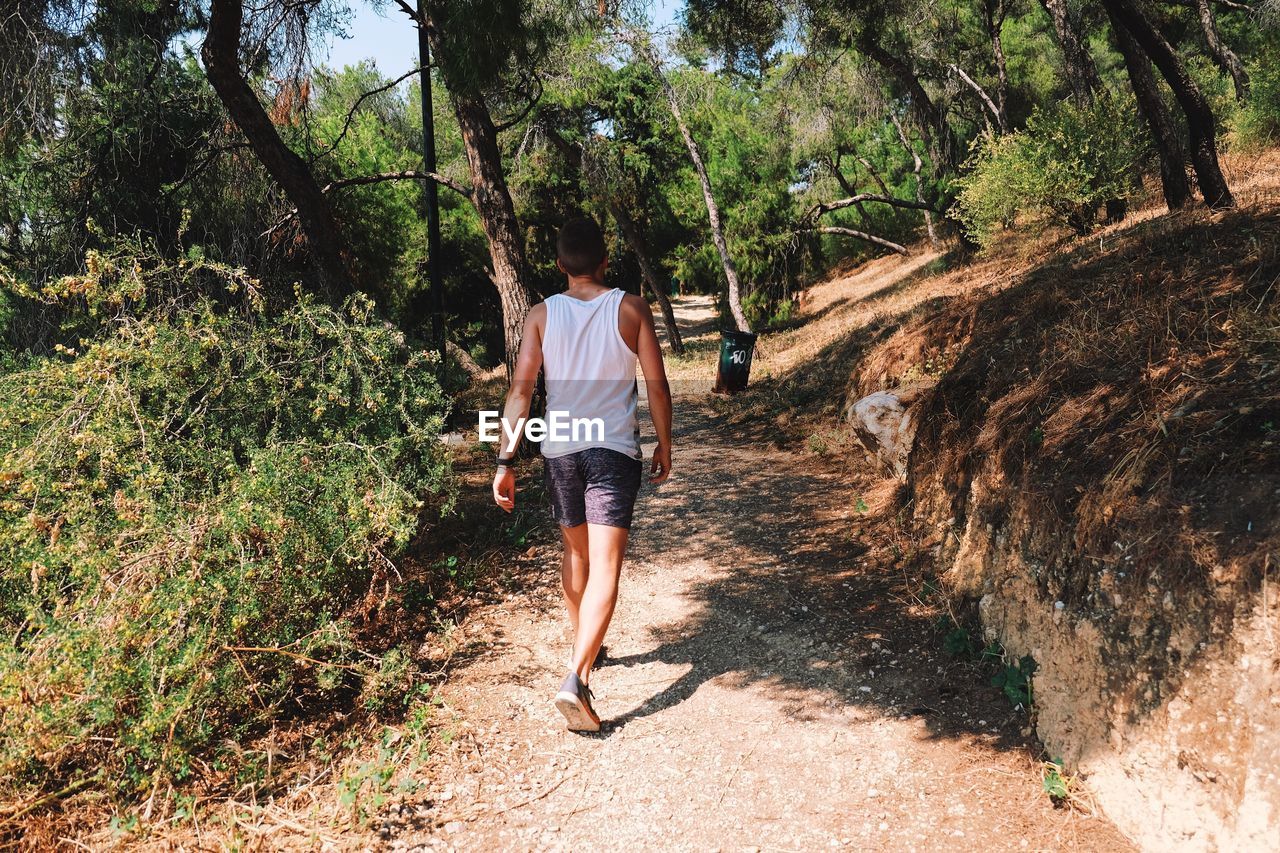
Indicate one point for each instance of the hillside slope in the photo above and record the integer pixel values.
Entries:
(1097, 463)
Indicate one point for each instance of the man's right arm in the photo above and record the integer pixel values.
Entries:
(519, 397)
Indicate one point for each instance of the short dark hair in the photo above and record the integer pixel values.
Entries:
(580, 246)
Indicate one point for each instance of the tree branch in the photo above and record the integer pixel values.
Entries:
(928, 214)
(406, 175)
(862, 235)
(1230, 4)
(410, 11)
(533, 102)
(828, 206)
(986, 99)
(833, 166)
(351, 113)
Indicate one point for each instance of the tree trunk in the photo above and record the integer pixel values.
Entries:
(1082, 74)
(635, 240)
(928, 216)
(221, 55)
(497, 214)
(929, 119)
(713, 211)
(1223, 55)
(1172, 154)
(993, 12)
(1201, 128)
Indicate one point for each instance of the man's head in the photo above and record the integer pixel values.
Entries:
(580, 247)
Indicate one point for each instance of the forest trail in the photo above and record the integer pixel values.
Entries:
(770, 685)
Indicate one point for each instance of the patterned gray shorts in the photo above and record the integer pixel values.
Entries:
(596, 485)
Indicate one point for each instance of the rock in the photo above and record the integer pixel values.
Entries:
(884, 426)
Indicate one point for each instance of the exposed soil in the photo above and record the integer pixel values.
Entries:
(772, 683)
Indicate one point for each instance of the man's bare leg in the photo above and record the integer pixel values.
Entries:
(606, 548)
(573, 570)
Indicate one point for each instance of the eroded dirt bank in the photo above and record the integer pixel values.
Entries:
(1098, 468)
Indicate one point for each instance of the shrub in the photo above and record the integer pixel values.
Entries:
(1067, 162)
(1256, 123)
(199, 477)
(762, 311)
(755, 307)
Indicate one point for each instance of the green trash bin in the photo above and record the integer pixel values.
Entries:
(734, 367)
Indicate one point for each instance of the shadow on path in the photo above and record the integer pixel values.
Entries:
(805, 591)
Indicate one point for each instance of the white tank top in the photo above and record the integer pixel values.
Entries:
(590, 374)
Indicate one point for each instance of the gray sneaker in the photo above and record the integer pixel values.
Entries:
(574, 701)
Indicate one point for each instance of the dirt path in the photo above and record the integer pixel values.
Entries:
(769, 687)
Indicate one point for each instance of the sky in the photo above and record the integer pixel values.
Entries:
(389, 39)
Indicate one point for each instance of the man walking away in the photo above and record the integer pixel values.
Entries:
(587, 340)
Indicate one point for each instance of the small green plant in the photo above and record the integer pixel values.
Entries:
(959, 643)
(416, 595)
(1053, 782)
(1015, 681)
(390, 686)
(367, 788)
(1065, 789)
(935, 366)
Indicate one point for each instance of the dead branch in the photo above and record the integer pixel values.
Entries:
(982, 94)
(863, 235)
(406, 175)
(829, 206)
(351, 113)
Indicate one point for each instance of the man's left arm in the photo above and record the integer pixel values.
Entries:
(649, 354)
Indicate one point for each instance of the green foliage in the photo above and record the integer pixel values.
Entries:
(1015, 681)
(1067, 162)
(1256, 124)
(1053, 782)
(959, 643)
(191, 497)
(764, 311)
(390, 686)
(745, 144)
(493, 44)
(122, 148)
(378, 137)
